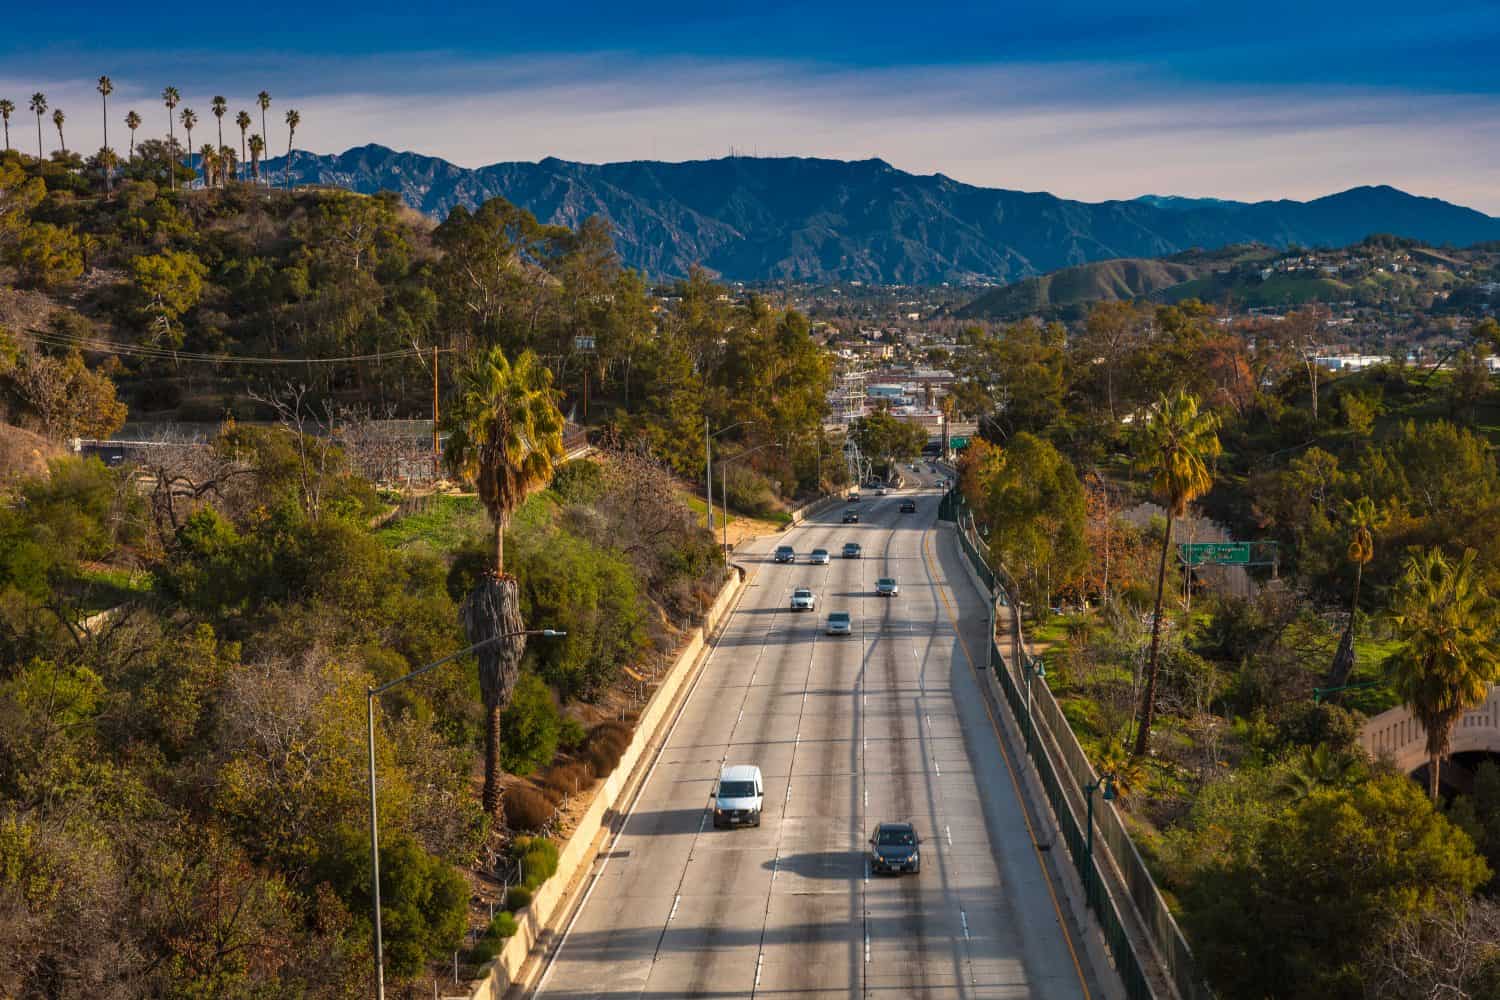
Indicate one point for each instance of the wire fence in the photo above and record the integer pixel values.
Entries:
(1065, 782)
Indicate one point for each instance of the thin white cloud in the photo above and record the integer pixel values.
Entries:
(1086, 131)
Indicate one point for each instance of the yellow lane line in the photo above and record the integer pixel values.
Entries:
(942, 590)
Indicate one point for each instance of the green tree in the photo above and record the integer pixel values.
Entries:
(7, 108)
(529, 727)
(1295, 912)
(19, 194)
(423, 901)
(881, 436)
(45, 255)
(57, 120)
(1445, 618)
(505, 436)
(166, 285)
(1035, 508)
(1176, 443)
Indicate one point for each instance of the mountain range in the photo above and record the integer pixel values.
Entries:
(817, 220)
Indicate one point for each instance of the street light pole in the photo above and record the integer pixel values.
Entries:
(1108, 781)
(1034, 665)
(370, 695)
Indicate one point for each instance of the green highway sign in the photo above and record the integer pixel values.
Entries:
(958, 442)
(1215, 553)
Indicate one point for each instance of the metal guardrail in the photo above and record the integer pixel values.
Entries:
(1064, 782)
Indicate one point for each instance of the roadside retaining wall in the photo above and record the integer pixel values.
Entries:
(807, 510)
(576, 858)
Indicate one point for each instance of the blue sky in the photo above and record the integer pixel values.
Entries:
(1086, 99)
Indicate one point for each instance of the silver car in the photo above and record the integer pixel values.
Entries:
(803, 600)
(887, 587)
(819, 557)
(839, 623)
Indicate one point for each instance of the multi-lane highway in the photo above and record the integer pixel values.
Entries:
(886, 724)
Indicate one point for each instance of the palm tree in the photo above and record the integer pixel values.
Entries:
(106, 86)
(170, 97)
(1447, 661)
(209, 157)
(132, 122)
(293, 119)
(39, 107)
(57, 119)
(257, 147)
(504, 434)
(242, 119)
(7, 108)
(189, 118)
(1175, 446)
(220, 109)
(1314, 768)
(263, 99)
(1362, 517)
(228, 163)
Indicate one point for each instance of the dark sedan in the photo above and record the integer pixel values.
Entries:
(894, 848)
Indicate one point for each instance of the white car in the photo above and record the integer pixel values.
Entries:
(819, 557)
(738, 796)
(839, 623)
(803, 599)
(880, 491)
(887, 586)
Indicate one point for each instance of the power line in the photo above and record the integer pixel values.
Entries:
(148, 351)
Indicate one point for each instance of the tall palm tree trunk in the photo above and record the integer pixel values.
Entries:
(493, 608)
(39, 137)
(1148, 696)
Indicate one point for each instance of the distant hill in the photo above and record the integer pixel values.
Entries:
(1074, 287)
(1370, 273)
(821, 220)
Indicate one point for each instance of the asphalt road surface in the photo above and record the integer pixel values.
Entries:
(886, 724)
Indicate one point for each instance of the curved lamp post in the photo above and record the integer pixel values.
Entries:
(370, 696)
(1108, 782)
(1034, 665)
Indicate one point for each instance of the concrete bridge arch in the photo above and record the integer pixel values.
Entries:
(1397, 735)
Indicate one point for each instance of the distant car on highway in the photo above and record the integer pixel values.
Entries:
(887, 587)
(739, 796)
(851, 516)
(880, 491)
(819, 557)
(839, 623)
(853, 496)
(894, 847)
(785, 554)
(851, 550)
(908, 506)
(803, 599)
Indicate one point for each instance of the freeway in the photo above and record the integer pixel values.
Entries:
(888, 723)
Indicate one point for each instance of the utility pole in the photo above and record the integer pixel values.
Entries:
(708, 477)
(436, 453)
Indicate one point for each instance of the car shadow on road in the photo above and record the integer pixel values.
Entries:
(839, 866)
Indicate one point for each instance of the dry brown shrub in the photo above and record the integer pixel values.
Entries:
(570, 778)
(606, 743)
(527, 808)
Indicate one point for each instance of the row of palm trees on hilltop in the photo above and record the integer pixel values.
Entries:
(218, 162)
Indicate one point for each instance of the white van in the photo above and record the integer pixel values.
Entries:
(738, 796)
